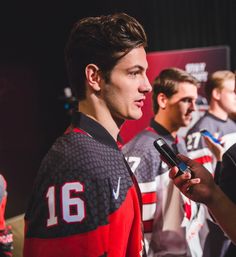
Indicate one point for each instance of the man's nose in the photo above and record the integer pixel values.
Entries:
(193, 106)
(147, 87)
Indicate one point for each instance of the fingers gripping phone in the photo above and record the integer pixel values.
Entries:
(170, 157)
(205, 132)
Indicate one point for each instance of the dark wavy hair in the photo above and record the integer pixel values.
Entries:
(102, 41)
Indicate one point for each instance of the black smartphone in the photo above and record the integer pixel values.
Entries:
(205, 132)
(169, 156)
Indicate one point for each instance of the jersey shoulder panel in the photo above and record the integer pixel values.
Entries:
(143, 157)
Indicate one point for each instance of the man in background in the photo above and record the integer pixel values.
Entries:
(220, 93)
(171, 222)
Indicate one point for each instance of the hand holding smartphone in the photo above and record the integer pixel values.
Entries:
(170, 157)
(206, 133)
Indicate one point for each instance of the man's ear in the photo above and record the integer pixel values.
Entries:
(162, 100)
(93, 76)
(216, 93)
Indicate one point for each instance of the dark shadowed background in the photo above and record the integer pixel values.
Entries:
(32, 71)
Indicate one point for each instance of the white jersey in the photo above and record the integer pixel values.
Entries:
(196, 146)
(173, 225)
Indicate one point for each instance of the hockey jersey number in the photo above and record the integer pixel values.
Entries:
(67, 202)
(193, 141)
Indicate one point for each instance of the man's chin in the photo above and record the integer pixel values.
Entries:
(186, 123)
(135, 115)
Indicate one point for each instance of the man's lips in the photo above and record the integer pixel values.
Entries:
(188, 116)
(140, 103)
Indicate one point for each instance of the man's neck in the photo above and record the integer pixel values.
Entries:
(102, 116)
(164, 122)
(218, 112)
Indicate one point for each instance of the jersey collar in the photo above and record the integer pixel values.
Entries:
(93, 129)
(162, 131)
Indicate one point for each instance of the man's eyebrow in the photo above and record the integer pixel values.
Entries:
(187, 98)
(137, 67)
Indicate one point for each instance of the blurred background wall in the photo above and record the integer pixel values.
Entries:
(32, 71)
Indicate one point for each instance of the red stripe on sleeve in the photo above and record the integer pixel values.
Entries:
(204, 159)
(147, 225)
(148, 198)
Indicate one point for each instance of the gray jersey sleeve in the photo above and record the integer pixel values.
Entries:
(2, 188)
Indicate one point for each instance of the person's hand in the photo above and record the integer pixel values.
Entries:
(215, 148)
(198, 186)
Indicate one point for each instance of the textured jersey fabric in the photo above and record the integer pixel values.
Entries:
(196, 146)
(84, 201)
(171, 221)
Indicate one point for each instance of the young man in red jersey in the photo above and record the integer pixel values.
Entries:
(85, 200)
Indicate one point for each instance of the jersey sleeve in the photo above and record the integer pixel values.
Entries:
(144, 162)
(2, 187)
(3, 201)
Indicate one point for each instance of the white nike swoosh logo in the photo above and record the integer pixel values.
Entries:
(117, 192)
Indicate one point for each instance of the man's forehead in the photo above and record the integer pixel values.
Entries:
(186, 89)
(229, 83)
(185, 86)
(137, 57)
